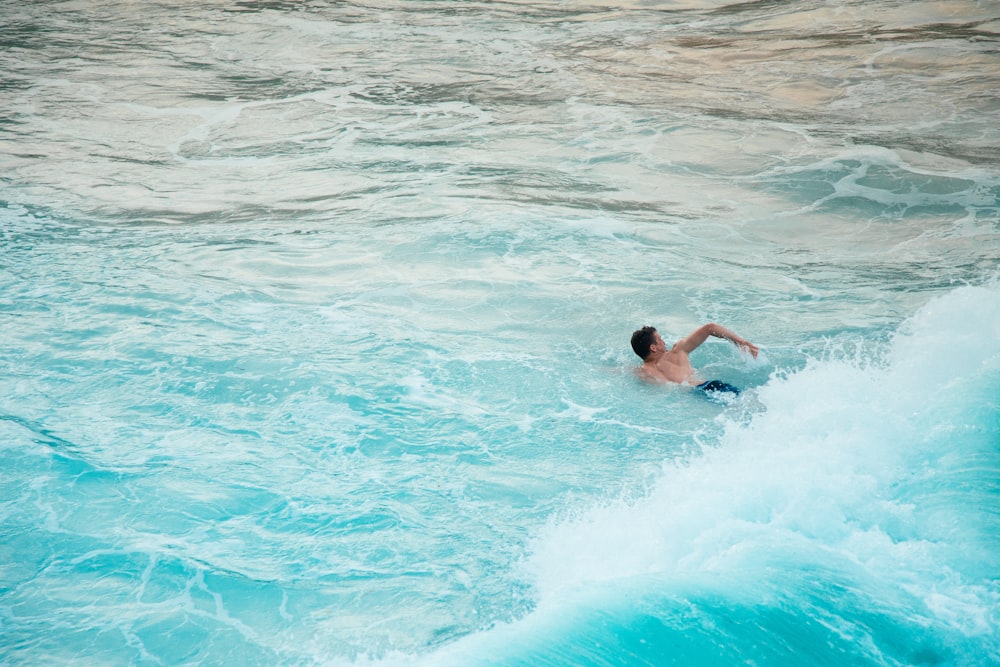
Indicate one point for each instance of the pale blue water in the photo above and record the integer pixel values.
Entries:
(315, 324)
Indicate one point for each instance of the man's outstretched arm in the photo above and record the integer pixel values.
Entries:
(693, 340)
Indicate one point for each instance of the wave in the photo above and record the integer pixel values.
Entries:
(852, 520)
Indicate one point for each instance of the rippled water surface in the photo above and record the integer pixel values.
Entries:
(315, 324)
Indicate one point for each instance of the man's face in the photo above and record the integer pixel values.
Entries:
(658, 344)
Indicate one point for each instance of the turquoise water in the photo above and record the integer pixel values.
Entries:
(315, 324)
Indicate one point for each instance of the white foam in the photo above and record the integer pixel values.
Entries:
(818, 478)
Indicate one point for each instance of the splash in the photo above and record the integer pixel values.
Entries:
(849, 520)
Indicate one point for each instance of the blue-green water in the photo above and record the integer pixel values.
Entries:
(315, 321)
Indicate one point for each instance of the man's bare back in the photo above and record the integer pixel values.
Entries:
(674, 364)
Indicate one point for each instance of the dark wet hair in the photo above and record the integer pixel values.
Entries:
(641, 340)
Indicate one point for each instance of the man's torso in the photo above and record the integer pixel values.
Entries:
(671, 367)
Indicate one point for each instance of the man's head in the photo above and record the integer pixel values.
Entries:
(643, 340)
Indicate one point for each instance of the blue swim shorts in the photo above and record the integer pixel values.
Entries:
(716, 386)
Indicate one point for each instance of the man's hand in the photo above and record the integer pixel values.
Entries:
(744, 344)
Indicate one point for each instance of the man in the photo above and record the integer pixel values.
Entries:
(662, 365)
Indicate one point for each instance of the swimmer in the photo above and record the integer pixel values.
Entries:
(662, 365)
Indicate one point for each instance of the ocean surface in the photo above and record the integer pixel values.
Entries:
(315, 319)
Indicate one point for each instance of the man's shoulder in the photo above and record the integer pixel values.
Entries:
(650, 373)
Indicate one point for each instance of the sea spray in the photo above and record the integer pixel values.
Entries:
(848, 521)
